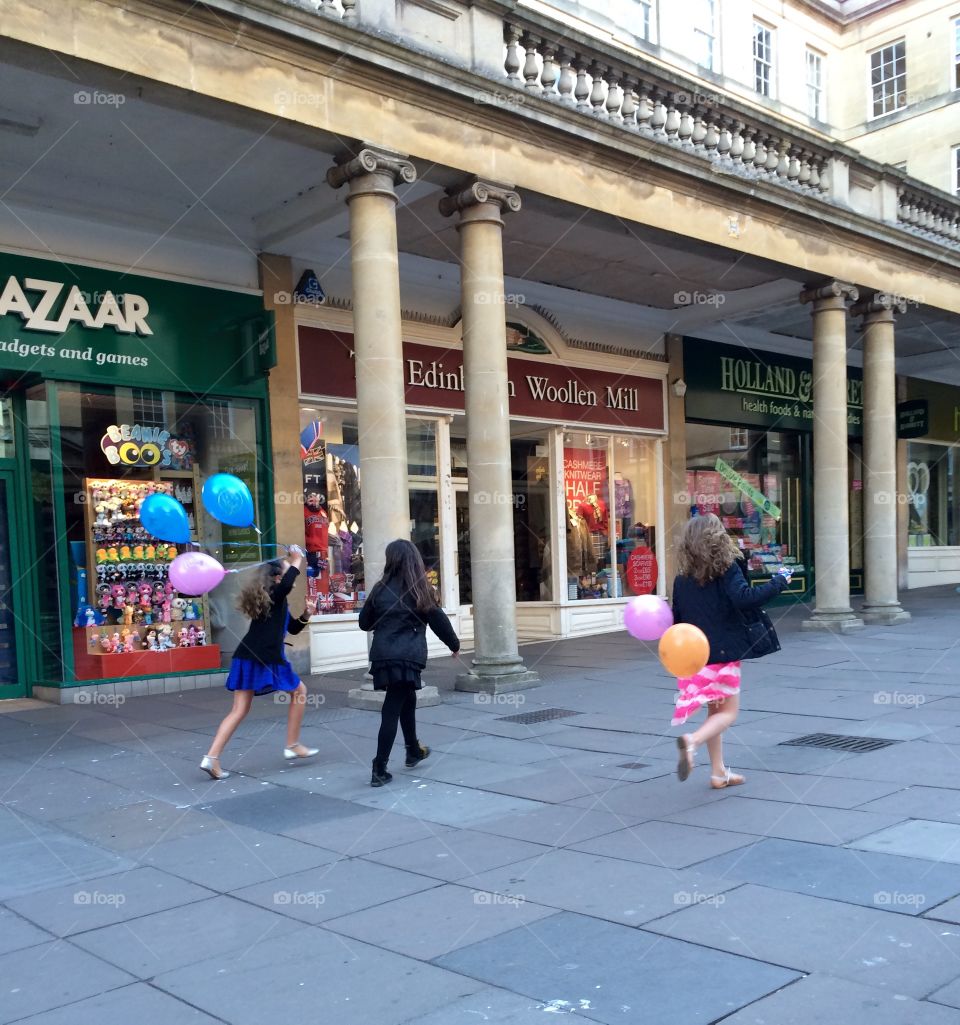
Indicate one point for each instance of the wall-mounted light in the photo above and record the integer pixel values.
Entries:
(679, 387)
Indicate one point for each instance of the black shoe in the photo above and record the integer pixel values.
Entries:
(416, 754)
(380, 774)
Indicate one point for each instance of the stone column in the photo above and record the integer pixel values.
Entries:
(497, 665)
(831, 505)
(881, 603)
(378, 348)
(372, 175)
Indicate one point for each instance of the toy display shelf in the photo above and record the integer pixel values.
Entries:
(140, 663)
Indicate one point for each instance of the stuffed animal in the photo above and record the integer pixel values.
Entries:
(192, 636)
(165, 640)
(128, 615)
(101, 556)
(105, 643)
(165, 614)
(177, 609)
(129, 640)
(125, 553)
(112, 555)
(183, 638)
(150, 553)
(190, 612)
(201, 637)
(151, 642)
(138, 553)
(116, 644)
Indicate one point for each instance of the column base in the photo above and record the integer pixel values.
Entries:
(497, 683)
(887, 614)
(844, 621)
(372, 700)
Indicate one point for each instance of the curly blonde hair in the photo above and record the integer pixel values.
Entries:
(706, 550)
(255, 601)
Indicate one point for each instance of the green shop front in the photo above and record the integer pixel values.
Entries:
(113, 387)
(749, 456)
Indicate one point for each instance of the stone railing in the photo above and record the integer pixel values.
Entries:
(929, 214)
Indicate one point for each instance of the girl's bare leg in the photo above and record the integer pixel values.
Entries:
(298, 705)
(721, 715)
(242, 699)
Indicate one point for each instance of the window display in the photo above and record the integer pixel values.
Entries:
(932, 498)
(586, 482)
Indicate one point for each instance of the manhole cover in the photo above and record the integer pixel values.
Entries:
(541, 715)
(634, 765)
(839, 742)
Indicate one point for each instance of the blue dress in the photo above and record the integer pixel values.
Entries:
(259, 663)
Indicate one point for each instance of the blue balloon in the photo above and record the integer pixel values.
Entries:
(228, 500)
(165, 518)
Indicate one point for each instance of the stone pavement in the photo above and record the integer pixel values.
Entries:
(524, 870)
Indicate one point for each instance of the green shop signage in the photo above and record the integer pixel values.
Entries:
(739, 386)
(76, 323)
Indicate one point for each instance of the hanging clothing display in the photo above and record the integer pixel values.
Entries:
(622, 497)
(581, 560)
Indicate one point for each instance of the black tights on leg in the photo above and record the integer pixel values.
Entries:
(399, 706)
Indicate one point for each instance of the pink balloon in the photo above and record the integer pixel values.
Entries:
(195, 573)
(647, 617)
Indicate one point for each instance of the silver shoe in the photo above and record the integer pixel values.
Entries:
(211, 766)
(291, 755)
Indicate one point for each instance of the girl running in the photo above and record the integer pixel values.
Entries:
(713, 594)
(398, 610)
(259, 664)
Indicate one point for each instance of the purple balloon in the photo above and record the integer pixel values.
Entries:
(195, 573)
(647, 617)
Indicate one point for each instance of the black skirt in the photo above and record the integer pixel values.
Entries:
(396, 673)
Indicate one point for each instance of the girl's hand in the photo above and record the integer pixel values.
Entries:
(310, 607)
(295, 557)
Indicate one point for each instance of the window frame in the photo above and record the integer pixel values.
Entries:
(955, 152)
(816, 90)
(872, 114)
(710, 36)
(646, 20)
(767, 63)
(956, 54)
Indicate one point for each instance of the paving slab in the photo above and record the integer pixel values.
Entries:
(918, 838)
(138, 826)
(608, 888)
(46, 795)
(17, 933)
(572, 964)
(788, 821)
(240, 856)
(136, 1003)
(279, 809)
(369, 832)
(919, 802)
(337, 979)
(334, 890)
(180, 936)
(904, 885)
(820, 999)
(555, 825)
(823, 791)
(893, 952)
(50, 975)
(487, 1005)
(429, 924)
(667, 844)
(456, 854)
(79, 907)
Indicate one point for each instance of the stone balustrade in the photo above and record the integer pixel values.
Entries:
(929, 214)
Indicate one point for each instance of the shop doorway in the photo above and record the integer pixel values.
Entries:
(12, 675)
(461, 505)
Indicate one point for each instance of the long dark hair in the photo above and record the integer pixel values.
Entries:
(403, 567)
(256, 599)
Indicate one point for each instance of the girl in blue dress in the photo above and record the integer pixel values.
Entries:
(259, 664)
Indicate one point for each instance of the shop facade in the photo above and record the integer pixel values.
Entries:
(116, 386)
(929, 429)
(587, 432)
(749, 457)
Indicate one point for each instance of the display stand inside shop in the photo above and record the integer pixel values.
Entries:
(136, 623)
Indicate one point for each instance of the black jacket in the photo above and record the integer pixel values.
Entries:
(716, 608)
(399, 631)
(263, 642)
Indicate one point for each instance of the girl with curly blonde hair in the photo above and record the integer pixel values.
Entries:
(712, 592)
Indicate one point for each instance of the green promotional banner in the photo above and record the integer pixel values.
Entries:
(744, 387)
(77, 323)
(754, 494)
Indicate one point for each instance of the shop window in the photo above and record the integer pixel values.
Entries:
(635, 508)
(756, 492)
(6, 429)
(587, 485)
(932, 495)
(128, 620)
(424, 503)
(531, 499)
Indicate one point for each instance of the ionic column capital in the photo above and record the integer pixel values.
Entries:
(831, 295)
(879, 308)
(477, 195)
(368, 162)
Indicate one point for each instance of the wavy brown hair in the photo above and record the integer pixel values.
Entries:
(706, 550)
(255, 600)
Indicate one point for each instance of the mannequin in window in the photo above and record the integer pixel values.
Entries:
(581, 560)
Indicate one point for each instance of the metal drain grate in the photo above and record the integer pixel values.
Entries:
(839, 742)
(634, 765)
(541, 715)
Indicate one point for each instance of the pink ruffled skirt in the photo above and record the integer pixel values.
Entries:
(714, 682)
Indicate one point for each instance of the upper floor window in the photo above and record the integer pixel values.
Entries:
(888, 78)
(956, 54)
(762, 58)
(148, 407)
(956, 170)
(704, 33)
(815, 105)
(645, 21)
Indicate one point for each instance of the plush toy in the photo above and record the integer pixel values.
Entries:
(125, 553)
(201, 636)
(177, 609)
(190, 612)
(101, 556)
(192, 636)
(171, 552)
(116, 644)
(183, 638)
(118, 595)
(128, 615)
(150, 642)
(112, 555)
(129, 641)
(165, 639)
(150, 553)
(101, 520)
(138, 553)
(165, 613)
(105, 643)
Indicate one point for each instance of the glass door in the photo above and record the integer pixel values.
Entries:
(462, 510)
(12, 679)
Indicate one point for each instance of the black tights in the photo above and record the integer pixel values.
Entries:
(399, 705)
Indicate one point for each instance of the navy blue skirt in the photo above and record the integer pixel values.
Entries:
(245, 674)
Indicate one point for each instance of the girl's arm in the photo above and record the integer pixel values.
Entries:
(439, 623)
(296, 625)
(281, 590)
(368, 614)
(743, 595)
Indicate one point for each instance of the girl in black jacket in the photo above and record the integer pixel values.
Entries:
(398, 610)
(259, 664)
(712, 593)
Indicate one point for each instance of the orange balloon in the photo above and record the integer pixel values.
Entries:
(684, 650)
